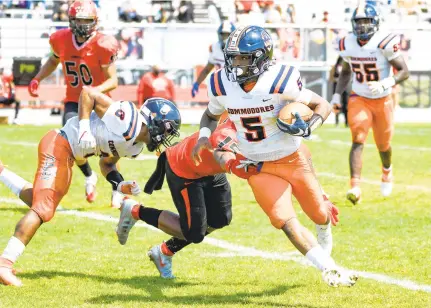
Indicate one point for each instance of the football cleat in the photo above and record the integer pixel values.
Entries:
(386, 185)
(7, 274)
(336, 277)
(126, 222)
(162, 262)
(354, 195)
(116, 199)
(90, 187)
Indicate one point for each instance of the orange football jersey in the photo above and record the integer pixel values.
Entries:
(180, 160)
(82, 63)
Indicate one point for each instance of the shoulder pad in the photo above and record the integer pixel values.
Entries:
(108, 43)
(280, 81)
(387, 39)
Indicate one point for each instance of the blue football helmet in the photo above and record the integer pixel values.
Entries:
(365, 22)
(252, 42)
(163, 120)
(223, 32)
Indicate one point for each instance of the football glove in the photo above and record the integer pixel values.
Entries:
(243, 168)
(378, 87)
(129, 188)
(86, 141)
(33, 87)
(300, 128)
(195, 89)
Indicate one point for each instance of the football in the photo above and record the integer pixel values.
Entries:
(287, 112)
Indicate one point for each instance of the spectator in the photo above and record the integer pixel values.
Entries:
(155, 84)
(185, 12)
(271, 13)
(60, 11)
(7, 92)
(333, 76)
(127, 12)
(130, 41)
(291, 14)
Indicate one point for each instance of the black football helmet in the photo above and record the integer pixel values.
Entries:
(253, 42)
(365, 22)
(163, 121)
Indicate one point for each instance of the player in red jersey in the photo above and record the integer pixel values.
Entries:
(201, 194)
(87, 58)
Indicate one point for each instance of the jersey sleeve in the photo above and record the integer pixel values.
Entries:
(287, 82)
(211, 57)
(224, 138)
(108, 47)
(54, 42)
(390, 46)
(215, 90)
(340, 47)
(121, 118)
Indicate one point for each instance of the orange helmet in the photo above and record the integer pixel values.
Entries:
(83, 9)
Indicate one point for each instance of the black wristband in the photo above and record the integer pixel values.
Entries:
(114, 177)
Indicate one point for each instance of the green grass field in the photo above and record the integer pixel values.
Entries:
(77, 261)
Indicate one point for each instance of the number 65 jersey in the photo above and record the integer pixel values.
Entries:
(370, 62)
(82, 63)
(255, 113)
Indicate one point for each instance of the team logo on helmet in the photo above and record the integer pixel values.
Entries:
(165, 109)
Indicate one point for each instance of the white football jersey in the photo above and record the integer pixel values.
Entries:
(255, 113)
(370, 62)
(216, 56)
(115, 133)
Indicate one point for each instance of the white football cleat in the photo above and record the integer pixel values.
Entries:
(90, 187)
(337, 277)
(126, 222)
(386, 185)
(116, 199)
(162, 262)
(354, 195)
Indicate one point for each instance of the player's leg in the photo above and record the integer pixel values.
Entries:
(359, 118)
(218, 200)
(70, 111)
(51, 183)
(383, 129)
(344, 103)
(20, 187)
(274, 196)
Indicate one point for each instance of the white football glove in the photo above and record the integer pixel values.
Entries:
(378, 87)
(129, 188)
(86, 141)
(246, 163)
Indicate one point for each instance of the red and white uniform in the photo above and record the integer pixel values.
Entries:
(6, 86)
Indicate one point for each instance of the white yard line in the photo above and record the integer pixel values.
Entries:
(234, 250)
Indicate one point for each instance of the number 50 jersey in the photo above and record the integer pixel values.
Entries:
(255, 113)
(82, 64)
(370, 62)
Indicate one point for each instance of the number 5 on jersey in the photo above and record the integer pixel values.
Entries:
(255, 132)
(78, 72)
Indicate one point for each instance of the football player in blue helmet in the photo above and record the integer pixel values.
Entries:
(248, 59)
(216, 58)
(365, 22)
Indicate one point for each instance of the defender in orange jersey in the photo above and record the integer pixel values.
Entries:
(370, 55)
(87, 57)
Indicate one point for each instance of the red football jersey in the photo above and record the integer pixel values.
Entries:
(180, 160)
(82, 64)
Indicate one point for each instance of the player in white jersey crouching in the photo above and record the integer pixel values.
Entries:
(253, 90)
(369, 55)
(112, 131)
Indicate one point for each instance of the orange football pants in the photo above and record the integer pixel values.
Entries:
(278, 180)
(364, 113)
(53, 175)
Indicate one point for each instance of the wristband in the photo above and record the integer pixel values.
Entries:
(204, 132)
(114, 177)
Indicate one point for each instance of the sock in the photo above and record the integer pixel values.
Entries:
(149, 215)
(175, 244)
(354, 182)
(86, 169)
(13, 181)
(13, 250)
(324, 237)
(387, 171)
(320, 258)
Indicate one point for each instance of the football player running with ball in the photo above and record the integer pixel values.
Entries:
(253, 90)
(87, 57)
(369, 55)
(112, 131)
